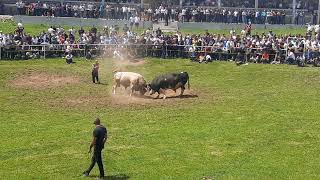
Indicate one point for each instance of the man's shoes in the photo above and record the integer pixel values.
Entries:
(85, 174)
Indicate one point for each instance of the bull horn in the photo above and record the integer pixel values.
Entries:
(115, 71)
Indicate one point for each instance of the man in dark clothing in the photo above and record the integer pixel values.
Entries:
(239, 59)
(94, 30)
(81, 31)
(99, 139)
(95, 72)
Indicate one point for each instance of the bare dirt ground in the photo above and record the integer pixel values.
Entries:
(122, 64)
(122, 98)
(42, 80)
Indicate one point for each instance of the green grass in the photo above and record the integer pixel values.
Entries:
(249, 122)
(282, 31)
(35, 29)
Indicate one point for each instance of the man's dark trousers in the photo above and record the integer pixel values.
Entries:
(96, 158)
(95, 76)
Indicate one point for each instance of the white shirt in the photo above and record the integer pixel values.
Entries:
(131, 19)
(257, 13)
(183, 12)
(136, 19)
(124, 9)
(291, 55)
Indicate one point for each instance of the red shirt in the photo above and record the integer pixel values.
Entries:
(265, 56)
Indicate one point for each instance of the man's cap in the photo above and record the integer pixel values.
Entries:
(96, 121)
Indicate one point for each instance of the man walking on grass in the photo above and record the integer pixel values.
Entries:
(95, 72)
(99, 139)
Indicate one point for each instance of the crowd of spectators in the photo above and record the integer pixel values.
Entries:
(224, 3)
(287, 4)
(115, 41)
(276, 4)
(198, 14)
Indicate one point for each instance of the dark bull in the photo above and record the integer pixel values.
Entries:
(172, 81)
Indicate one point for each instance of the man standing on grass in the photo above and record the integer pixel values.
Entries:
(99, 139)
(95, 72)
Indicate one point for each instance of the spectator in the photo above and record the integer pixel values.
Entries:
(291, 57)
(69, 58)
(265, 57)
(20, 7)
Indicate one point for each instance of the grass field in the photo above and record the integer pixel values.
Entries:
(35, 29)
(248, 122)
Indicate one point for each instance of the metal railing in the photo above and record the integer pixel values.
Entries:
(135, 51)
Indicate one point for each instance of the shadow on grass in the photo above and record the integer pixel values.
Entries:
(113, 177)
(186, 96)
(101, 83)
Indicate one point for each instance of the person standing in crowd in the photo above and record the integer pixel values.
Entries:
(166, 17)
(100, 135)
(131, 22)
(95, 72)
(136, 21)
(248, 29)
(20, 7)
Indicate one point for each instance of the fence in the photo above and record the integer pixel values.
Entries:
(133, 51)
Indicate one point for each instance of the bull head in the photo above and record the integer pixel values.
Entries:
(149, 89)
(143, 89)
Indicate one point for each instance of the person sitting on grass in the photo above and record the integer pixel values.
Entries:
(301, 61)
(239, 60)
(316, 62)
(69, 58)
(265, 57)
(277, 60)
(291, 58)
(255, 58)
(208, 58)
(201, 58)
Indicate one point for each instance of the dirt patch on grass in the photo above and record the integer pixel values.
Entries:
(131, 62)
(120, 65)
(122, 98)
(42, 80)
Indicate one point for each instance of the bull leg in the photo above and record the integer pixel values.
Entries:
(164, 93)
(131, 92)
(152, 92)
(114, 89)
(182, 90)
(115, 85)
(132, 87)
(158, 94)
